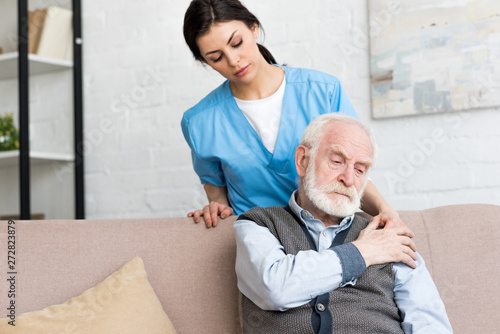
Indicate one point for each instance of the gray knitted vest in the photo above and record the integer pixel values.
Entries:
(367, 307)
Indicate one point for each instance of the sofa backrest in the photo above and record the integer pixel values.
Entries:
(191, 268)
(461, 247)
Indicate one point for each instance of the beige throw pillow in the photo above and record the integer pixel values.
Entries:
(124, 303)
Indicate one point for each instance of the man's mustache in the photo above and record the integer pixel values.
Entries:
(339, 188)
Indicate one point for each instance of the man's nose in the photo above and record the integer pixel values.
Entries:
(347, 176)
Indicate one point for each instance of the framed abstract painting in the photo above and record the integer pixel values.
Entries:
(430, 56)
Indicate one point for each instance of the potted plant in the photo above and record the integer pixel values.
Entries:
(9, 135)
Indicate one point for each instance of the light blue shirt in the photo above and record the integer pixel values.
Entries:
(274, 280)
(227, 151)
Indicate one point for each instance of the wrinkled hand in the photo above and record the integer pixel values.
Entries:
(210, 213)
(392, 243)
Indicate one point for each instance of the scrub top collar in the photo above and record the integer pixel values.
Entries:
(284, 141)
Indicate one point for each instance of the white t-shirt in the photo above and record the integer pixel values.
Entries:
(264, 115)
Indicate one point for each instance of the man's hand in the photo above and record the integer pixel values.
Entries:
(211, 212)
(390, 244)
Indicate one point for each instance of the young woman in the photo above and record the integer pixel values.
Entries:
(244, 133)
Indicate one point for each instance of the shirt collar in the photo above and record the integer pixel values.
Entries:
(301, 213)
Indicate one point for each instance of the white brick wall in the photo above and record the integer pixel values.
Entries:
(140, 77)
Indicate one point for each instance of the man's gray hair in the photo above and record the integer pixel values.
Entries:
(314, 131)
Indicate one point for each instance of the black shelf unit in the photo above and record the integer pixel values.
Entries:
(23, 79)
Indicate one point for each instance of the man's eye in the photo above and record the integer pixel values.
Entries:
(360, 171)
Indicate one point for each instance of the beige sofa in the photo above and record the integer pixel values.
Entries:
(191, 269)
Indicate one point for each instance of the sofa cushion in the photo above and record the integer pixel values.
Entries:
(123, 303)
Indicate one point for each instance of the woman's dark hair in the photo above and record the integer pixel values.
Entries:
(202, 14)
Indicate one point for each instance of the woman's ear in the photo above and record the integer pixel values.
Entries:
(301, 160)
(255, 30)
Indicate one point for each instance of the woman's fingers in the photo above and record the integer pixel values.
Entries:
(210, 213)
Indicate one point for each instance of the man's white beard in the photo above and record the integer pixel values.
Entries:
(340, 206)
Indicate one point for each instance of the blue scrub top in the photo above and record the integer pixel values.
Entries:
(227, 152)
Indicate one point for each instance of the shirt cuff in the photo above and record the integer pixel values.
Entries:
(353, 264)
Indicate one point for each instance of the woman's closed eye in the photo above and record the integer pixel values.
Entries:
(238, 44)
(217, 59)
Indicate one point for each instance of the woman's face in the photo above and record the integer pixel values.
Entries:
(230, 49)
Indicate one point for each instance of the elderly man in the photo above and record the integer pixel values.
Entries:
(316, 267)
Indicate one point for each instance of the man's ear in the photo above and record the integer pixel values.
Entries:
(301, 160)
